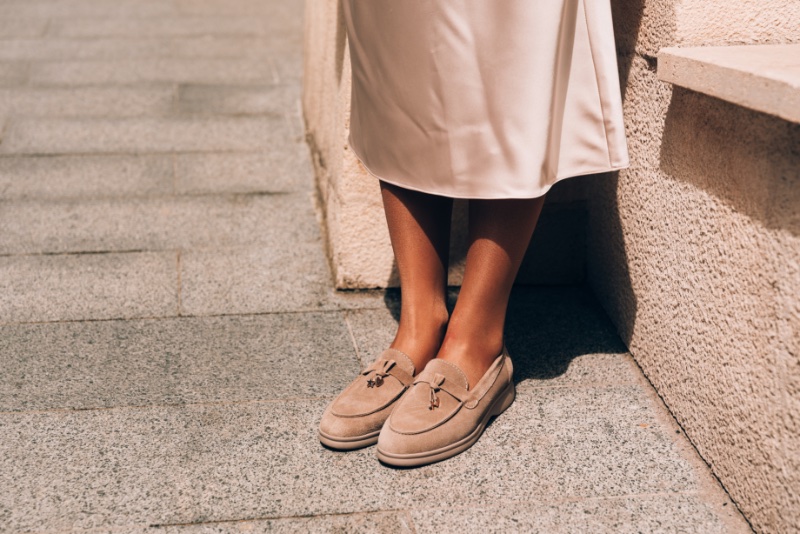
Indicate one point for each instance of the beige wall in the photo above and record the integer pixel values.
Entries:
(695, 251)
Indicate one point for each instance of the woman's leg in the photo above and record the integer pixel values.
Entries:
(499, 234)
(419, 228)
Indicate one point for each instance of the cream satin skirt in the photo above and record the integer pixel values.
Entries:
(484, 98)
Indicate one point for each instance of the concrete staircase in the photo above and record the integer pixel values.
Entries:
(169, 331)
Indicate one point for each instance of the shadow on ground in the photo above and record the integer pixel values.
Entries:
(546, 328)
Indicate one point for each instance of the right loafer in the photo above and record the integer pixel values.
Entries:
(354, 418)
(440, 416)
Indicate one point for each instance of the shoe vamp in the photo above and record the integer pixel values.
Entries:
(359, 399)
(417, 414)
(350, 427)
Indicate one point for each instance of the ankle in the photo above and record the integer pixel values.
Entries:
(421, 337)
(473, 355)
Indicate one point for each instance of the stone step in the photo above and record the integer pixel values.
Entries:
(102, 364)
(157, 223)
(136, 135)
(111, 48)
(88, 286)
(220, 462)
(147, 27)
(86, 101)
(136, 71)
(109, 176)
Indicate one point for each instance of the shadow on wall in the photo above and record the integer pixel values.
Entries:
(746, 159)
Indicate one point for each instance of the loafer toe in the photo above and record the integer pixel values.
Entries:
(355, 417)
(440, 417)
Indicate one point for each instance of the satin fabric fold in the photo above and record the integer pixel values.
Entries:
(484, 98)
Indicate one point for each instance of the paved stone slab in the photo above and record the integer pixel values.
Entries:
(86, 101)
(17, 27)
(286, 14)
(290, 276)
(141, 27)
(271, 100)
(154, 70)
(633, 515)
(377, 523)
(87, 286)
(269, 171)
(84, 177)
(13, 72)
(193, 463)
(560, 336)
(102, 48)
(102, 364)
(84, 9)
(287, 67)
(373, 331)
(59, 136)
(165, 223)
(374, 328)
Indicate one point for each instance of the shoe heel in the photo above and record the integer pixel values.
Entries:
(505, 400)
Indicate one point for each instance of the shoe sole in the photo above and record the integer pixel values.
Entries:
(501, 404)
(349, 444)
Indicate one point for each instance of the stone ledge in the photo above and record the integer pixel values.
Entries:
(761, 77)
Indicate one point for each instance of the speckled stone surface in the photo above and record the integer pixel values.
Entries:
(561, 336)
(556, 336)
(291, 276)
(80, 135)
(269, 100)
(151, 47)
(86, 101)
(83, 9)
(166, 25)
(373, 331)
(369, 523)
(88, 286)
(13, 72)
(85, 177)
(161, 70)
(165, 223)
(682, 514)
(174, 361)
(262, 459)
(16, 27)
(241, 172)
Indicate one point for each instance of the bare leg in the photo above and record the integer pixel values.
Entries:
(499, 234)
(419, 227)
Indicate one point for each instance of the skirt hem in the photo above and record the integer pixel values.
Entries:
(541, 191)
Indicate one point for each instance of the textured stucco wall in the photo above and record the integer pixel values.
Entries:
(349, 198)
(695, 251)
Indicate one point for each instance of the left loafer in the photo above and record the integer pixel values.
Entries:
(440, 417)
(354, 419)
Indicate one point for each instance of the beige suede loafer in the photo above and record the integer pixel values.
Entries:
(354, 418)
(440, 417)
